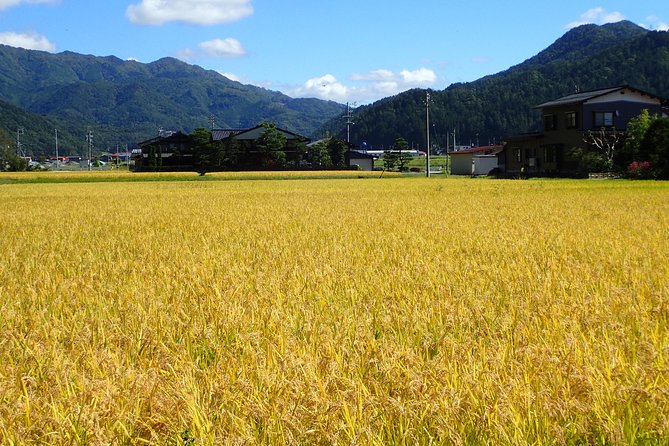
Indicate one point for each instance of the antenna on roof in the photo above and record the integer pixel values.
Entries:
(212, 121)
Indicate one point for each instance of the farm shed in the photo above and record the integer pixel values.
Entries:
(474, 161)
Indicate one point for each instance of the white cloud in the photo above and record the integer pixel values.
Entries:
(186, 55)
(231, 76)
(656, 24)
(197, 12)
(375, 75)
(212, 48)
(421, 76)
(223, 48)
(598, 16)
(324, 87)
(4, 4)
(366, 87)
(27, 41)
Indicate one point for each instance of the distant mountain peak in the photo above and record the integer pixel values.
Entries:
(587, 40)
(587, 57)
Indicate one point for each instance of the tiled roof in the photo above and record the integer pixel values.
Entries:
(219, 134)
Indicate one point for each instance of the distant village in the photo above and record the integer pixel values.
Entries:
(567, 121)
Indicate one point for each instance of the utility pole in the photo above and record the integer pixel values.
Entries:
(19, 132)
(349, 122)
(57, 160)
(427, 134)
(89, 138)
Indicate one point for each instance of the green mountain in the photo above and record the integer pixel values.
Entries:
(123, 102)
(486, 110)
(35, 133)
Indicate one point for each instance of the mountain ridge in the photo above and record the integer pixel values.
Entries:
(496, 106)
(124, 102)
(128, 101)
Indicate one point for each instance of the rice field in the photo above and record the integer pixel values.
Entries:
(334, 311)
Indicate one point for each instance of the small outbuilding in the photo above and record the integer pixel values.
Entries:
(364, 161)
(474, 161)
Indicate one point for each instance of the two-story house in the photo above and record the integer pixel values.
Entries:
(565, 121)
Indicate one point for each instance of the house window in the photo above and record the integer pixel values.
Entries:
(550, 122)
(571, 120)
(518, 155)
(603, 119)
(549, 154)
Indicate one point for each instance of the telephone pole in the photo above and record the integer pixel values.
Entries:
(57, 160)
(89, 138)
(19, 132)
(427, 134)
(349, 122)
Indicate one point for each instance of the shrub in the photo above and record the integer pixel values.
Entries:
(639, 170)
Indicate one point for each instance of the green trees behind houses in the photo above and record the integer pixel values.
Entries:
(645, 153)
(271, 147)
(337, 151)
(327, 154)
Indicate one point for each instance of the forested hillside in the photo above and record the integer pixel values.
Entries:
(491, 108)
(124, 102)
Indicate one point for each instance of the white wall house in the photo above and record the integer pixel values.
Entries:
(474, 161)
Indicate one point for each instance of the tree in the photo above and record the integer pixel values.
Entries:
(204, 150)
(229, 151)
(588, 160)
(319, 156)
(389, 160)
(403, 157)
(337, 151)
(655, 148)
(155, 158)
(271, 145)
(300, 148)
(10, 161)
(606, 141)
(636, 131)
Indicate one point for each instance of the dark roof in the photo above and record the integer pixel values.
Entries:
(524, 136)
(354, 154)
(484, 149)
(219, 134)
(581, 97)
(286, 132)
(174, 137)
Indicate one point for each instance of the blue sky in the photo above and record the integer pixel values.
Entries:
(343, 50)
